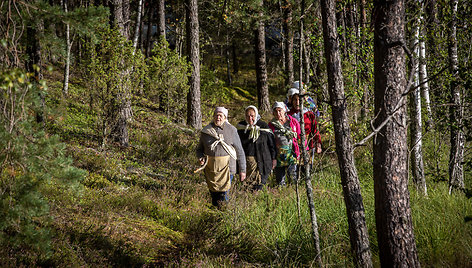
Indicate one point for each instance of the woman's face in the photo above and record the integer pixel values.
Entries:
(296, 102)
(279, 114)
(250, 116)
(219, 119)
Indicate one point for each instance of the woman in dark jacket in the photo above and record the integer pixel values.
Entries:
(259, 147)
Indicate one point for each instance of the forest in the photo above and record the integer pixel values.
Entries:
(103, 103)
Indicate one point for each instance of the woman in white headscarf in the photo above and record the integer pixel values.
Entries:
(218, 149)
(259, 147)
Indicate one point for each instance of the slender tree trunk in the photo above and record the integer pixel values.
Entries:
(33, 50)
(228, 60)
(161, 19)
(456, 110)
(235, 58)
(416, 135)
(423, 75)
(137, 31)
(306, 159)
(364, 76)
(395, 235)
(149, 29)
(306, 60)
(358, 233)
(194, 114)
(288, 32)
(65, 88)
(261, 65)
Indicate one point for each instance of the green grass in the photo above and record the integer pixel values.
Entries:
(143, 206)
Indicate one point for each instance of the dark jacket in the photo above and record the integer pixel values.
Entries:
(263, 149)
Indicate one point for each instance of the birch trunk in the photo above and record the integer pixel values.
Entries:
(65, 88)
(417, 167)
(358, 232)
(456, 111)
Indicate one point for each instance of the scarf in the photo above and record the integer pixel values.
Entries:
(287, 132)
(254, 130)
(209, 130)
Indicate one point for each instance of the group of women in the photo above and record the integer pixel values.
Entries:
(254, 147)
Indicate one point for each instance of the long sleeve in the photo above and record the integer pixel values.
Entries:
(239, 151)
(200, 149)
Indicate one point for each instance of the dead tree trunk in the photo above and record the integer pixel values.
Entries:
(395, 235)
(194, 113)
(358, 233)
(456, 110)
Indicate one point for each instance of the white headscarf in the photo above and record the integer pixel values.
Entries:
(279, 104)
(255, 110)
(222, 110)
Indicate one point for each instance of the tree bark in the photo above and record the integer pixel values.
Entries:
(65, 88)
(288, 32)
(358, 232)
(456, 110)
(161, 19)
(395, 235)
(306, 159)
(194, 114)
(261, 65)
(364, 75)
(423, 75)
(416, 135)
(137, 31)
(149, 29)
(120, 18)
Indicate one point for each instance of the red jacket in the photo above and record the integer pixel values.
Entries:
(311, 127)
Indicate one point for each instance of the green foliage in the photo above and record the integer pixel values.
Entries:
(167, 81)
(115, 71)
(32, 163)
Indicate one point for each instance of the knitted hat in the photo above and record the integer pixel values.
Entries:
(222, 110)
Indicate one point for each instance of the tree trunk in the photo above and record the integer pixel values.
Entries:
(65, 88)
(306, 60)
(261, 65)
(287, 28)
(358, 232)
(194, 114)
(137, 31)
(161, 19)
(395, 235)
(456, 111)
(423, 75)
(416, 135)
(235, 58)
(306, 159)
(364, 75)
(149, 29)
(120, 17)
(33, 50)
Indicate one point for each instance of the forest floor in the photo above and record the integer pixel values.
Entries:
(143, 205)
